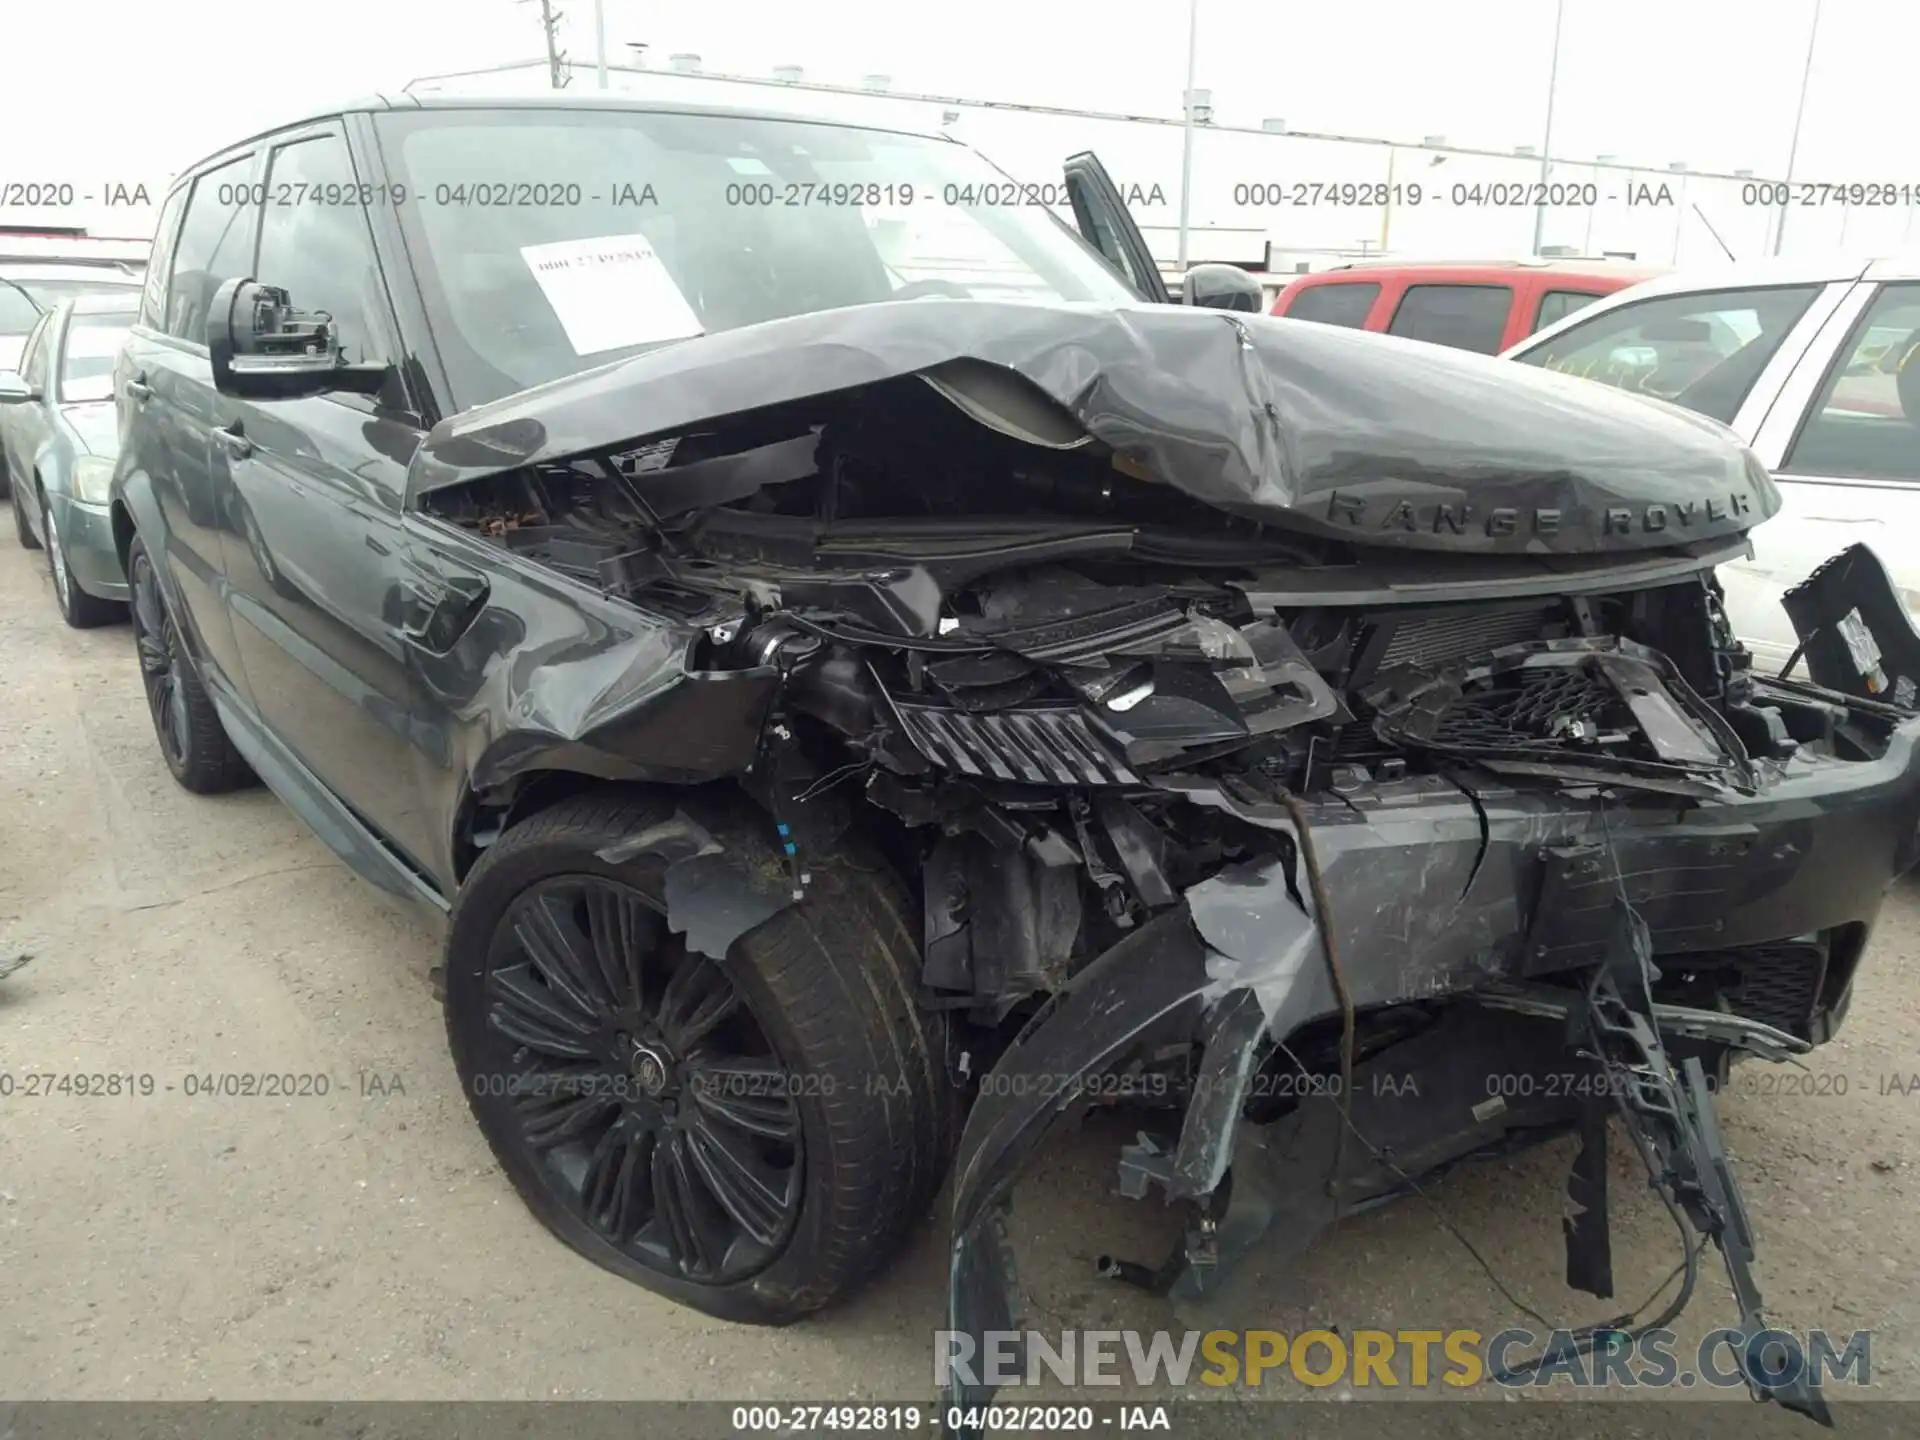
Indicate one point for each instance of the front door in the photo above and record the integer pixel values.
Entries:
(315, 564)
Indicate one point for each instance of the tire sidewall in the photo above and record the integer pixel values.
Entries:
(484, 900)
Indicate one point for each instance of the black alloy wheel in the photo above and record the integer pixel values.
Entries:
(752, 1136)
(641, 1082)
(192, 741)
(162, 662)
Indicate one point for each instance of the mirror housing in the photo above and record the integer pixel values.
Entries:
(261, 348)
(14, 390)
(1222, 287)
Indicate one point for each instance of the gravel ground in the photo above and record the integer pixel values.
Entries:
(362, 1245)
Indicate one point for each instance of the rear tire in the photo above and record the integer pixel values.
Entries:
(20, 526)
(192, 740)
(846, 1139)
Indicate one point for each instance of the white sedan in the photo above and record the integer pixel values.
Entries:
(1813, 365)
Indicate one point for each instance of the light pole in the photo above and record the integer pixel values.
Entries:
(1799, 114)
(1680, 207)
(600, 43)
(1546, 140)
(1586, 241)
(1186, 134)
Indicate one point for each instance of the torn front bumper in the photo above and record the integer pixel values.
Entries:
(1434, 892)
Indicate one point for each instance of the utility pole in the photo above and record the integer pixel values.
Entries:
(1546, 140)
(1186, 138)
(1799, 114)
(600, 41)
(558, 73)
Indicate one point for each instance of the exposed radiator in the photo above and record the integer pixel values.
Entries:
(1433, 640)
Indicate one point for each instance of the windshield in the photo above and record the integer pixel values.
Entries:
(86, 364)
(549, 242)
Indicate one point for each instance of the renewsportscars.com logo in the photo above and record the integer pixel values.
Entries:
(1724, 1359)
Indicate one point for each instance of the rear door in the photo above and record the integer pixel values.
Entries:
(314, 555)
(1106, 224)
(1843, 442)
(163, 384)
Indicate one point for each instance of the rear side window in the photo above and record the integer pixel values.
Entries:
(154, 293)
(216, 244)
(1466, 317)
(1556, 305)
(1334, 303)
(1704, 350)
(1866, 423)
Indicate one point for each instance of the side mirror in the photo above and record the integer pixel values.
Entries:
(14, 390)
(261, 348)
(1223, 287)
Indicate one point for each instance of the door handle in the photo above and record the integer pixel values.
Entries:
(237, 445)
(138, 388)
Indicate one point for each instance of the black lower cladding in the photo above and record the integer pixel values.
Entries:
(642, 1082)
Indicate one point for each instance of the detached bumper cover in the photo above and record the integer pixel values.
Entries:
(1434, 892)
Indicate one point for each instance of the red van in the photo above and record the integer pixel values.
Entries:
(1469, 304)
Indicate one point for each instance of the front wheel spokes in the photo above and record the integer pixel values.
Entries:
(559, 1106)
(688, 1235)
(751, 1095)
(550, 935)
(698, 997)
(752, 1192)
(617, 1189)
(534, 1015)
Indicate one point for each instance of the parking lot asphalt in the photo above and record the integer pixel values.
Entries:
(361, 1244)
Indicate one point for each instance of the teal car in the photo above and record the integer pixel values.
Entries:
(58, 439)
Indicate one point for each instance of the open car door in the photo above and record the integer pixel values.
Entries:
(1102, 218)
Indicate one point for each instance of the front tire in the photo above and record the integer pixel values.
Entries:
(753, 1137)
(79, 609)
(192, 740)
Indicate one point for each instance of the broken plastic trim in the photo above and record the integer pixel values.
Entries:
(713, 896)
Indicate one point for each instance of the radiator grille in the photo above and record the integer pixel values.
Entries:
(1436, 640)
(1039, 745)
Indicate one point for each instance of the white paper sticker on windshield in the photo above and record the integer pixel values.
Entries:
(748, 165)
(610, 292)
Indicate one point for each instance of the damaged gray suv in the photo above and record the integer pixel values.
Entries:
(865, 677)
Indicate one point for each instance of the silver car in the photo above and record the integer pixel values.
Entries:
(58, 439)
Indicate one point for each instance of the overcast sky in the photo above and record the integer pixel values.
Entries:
(1710, 82)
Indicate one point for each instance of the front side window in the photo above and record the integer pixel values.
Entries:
(549, 242)
(1703, 350)
(1337, 302)
(317, 249)
(1466, 317)
(33, 359)
(1556, 305)
(1866, 422)
(86, 358)
(216, 244)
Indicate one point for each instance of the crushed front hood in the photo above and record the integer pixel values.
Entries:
(1313, 427)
